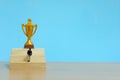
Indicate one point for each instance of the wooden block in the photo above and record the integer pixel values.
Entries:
(19, 59)
(19, 55)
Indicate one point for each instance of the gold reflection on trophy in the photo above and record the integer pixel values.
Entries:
(29, 30)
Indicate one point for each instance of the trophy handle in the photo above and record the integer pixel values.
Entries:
(34, 29)
(23, 29)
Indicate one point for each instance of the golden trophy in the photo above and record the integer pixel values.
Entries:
(29, 30)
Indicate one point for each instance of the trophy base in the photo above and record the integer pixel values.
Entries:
(29, 46)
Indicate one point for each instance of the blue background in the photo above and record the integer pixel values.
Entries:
(69, 30)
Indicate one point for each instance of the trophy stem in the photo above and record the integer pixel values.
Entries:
(29, 44)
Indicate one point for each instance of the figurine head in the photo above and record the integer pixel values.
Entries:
(30, 49)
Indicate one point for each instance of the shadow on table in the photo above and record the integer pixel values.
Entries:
(27, 72)
(7, 66)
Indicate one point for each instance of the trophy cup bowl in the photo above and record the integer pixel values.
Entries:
(29, 30)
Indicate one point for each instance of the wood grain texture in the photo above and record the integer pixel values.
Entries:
(19, 55)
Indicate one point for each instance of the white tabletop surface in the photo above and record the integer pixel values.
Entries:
(64, 71)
